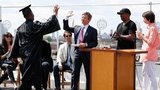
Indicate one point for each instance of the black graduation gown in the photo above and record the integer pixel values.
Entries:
(27, 45)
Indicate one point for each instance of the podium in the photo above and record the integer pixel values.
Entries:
(113, 69)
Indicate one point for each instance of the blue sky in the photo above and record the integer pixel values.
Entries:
(100, 9)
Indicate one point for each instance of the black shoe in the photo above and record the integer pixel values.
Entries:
(45, 86)
(3, 77)
(57, 88)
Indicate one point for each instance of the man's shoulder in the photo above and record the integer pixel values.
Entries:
(37, 22)
(77, 26)
(22, 25)
(92, 27)
(62, 45)
(132, 22)
(120, 24)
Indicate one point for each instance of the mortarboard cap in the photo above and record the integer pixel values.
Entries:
(25, 10)
(124, 10)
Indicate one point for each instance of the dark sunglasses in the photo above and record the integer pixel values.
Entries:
(8, 36)
(68, 35)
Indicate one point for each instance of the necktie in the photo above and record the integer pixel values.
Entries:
(81, 35)
(69, 61)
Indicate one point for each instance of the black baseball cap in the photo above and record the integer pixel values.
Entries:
(124, 10)
(25, 10)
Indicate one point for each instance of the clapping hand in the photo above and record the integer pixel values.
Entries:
(69, 14)
(116, 35)
(139, 34)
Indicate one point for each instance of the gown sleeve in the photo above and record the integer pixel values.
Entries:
(51, 25)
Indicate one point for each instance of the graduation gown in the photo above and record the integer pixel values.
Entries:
(27, 45)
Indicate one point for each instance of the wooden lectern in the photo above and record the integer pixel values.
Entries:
(113, 69)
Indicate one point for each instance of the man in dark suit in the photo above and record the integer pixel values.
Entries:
(85, 36)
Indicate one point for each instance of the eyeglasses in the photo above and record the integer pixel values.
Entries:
(8, 36)
(68, 35)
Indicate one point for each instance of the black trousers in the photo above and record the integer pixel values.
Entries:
(80, 58)
(45, 72)
(8, 71)
(57, 75)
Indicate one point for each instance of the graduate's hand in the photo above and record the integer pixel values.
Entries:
(60, 66)
(55, 9)
(69, 14)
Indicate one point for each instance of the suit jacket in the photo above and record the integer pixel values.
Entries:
(90, 36)
(62, 53)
